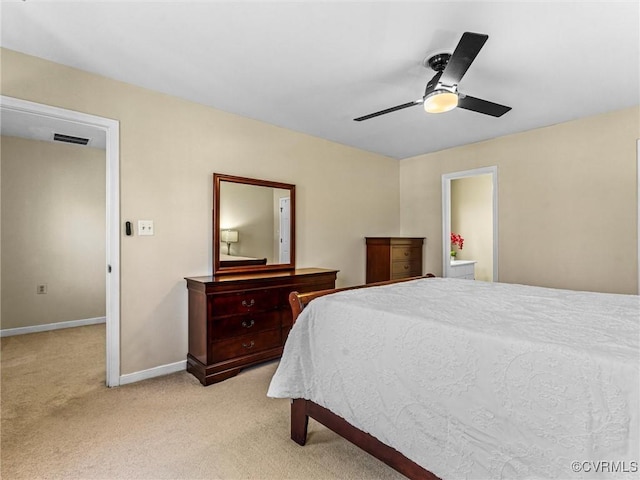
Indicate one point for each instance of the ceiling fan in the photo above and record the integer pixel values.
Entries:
(441, 94)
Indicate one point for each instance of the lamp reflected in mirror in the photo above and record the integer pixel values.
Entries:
(229, 237)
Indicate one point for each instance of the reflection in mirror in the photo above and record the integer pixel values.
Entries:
(254, 222)
(229, 237)
(250, 221)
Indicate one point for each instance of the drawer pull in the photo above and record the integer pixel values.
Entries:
(406, 254)
(406, 267)
(248, 304)
(248, 324)
(248, 345)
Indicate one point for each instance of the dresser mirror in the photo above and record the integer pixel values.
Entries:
(253, 225)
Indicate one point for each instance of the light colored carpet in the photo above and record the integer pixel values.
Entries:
(59, 421)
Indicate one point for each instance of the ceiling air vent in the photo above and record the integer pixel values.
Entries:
(59, 137)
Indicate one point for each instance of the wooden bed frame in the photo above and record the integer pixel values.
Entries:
(302, 409)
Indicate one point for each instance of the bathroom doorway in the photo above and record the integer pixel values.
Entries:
(470, 209)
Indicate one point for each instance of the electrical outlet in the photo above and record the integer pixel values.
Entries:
(145, 227)
(41, 289)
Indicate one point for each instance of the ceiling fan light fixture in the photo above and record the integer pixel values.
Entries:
(440, 101)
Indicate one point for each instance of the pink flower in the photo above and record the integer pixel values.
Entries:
(456, 240)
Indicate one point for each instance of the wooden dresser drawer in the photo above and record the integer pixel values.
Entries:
(405, 269)
(245, 302)
(398, 276)
(245, 345)
(405, 253)
(238, 320)
(235, 325)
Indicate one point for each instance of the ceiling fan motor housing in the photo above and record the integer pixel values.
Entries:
(438, 62)
(439, 98)
(434, 85)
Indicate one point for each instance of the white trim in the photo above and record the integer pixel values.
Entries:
(112, 131)
(153, 372)
(446, 214)
(10, 332)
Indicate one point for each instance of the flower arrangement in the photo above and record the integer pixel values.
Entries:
(456, 241)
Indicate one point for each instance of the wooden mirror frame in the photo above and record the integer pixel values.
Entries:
(218, 269)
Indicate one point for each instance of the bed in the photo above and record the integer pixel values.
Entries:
(451, 379)
(238, 261)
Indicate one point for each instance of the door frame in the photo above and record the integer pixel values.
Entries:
(446, 214)
(112, 268)
(284, 225)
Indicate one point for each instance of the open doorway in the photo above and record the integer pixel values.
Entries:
(285, 223)
(110, 128)
(470, 209)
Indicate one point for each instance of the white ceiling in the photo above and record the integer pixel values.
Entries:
(15, 123)
(314, 66)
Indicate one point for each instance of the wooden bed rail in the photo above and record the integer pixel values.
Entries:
(302, 409)
(298, 301)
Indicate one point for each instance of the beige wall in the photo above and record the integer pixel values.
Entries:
(567, 202)
(53, 232)
(567, 196)
(169, 149)
(472, 217)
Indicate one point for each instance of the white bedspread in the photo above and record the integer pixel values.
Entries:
(476, 380)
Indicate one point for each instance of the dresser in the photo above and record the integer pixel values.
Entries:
(391, 258)
(238, 320)
(463, 269)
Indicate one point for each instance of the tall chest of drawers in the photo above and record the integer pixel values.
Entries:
(391, 258)
(239, 320)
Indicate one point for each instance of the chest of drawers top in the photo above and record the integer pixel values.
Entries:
(222, 283)
(407, 241)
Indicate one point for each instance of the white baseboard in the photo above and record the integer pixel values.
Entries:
(8, 332)
(153, 372)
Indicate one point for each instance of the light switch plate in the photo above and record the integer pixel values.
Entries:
(145, 227)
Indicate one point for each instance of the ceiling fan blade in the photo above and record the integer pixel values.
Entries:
(462, 57)
(482, 106)
(388, 110)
